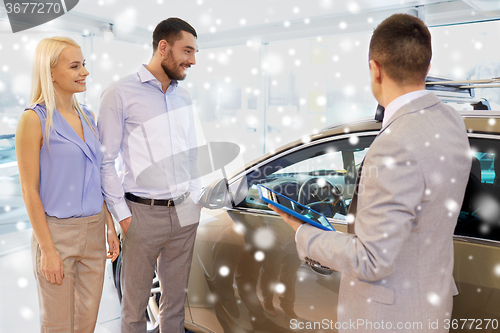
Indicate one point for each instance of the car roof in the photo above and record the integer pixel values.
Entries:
(476, 121)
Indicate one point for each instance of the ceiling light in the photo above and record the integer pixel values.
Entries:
(106, 32)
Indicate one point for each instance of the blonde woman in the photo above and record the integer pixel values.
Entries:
(59, 158)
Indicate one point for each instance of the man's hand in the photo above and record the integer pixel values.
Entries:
(52, 266)
(294, 222)
(125, 224)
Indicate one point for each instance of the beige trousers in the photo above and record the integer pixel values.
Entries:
(163, 238)
(73, 305)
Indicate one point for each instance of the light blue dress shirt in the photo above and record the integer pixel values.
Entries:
(70, 180)
(399, 102)
(153, 135)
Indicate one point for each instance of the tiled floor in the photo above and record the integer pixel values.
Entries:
(18, 295)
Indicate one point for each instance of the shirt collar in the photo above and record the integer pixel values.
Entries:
(399, 102)
(146, 76)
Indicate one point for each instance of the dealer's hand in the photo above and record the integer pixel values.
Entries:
(294, 222)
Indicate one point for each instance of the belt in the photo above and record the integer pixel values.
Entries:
(157, 202)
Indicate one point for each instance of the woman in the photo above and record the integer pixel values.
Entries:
(59, 158)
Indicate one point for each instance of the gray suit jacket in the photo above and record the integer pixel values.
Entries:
(397, 264)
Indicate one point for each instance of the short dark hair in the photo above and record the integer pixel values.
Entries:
(170, 30)
(401, 45)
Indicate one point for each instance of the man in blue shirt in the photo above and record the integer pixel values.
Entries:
(148, 120)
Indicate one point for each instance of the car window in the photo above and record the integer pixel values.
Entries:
(7, 149)
(13, 215)
(480, 213)
(487, 167)
(320, 176)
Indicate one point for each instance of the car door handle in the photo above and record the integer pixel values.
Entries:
(321, 270)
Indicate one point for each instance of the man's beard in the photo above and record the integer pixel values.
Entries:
(170, 72)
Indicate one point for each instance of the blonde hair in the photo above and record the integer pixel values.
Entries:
(42, 91)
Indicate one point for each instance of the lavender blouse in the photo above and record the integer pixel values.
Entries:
(70, 183)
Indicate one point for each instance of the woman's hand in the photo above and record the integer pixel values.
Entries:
(113, 243)
(52, 266)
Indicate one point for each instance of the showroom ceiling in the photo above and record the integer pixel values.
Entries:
(225, 22)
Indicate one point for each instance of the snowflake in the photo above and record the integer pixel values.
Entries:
(206, 19)
(224, 271)
(353, 7)
(321, 182)
(433, 298)
(321, 100)
(326, 3)
(306, 139)
(490, 209)
(21, 225)
(389, 162)
(27, 313)
(451, 205)
(280, 288)
(353, 140)
(212, 298)
(349, 91)
(264, 238)
(259, 256)
(22, 282)
(497, 270)
(239, 228)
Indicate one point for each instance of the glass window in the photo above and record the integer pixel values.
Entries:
(480, 213)
(320, 176)
(467, 51)
(13, 216)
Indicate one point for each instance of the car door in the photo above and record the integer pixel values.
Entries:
(477, 242)
(246, 256)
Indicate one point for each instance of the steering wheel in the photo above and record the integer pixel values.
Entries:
(313, 193)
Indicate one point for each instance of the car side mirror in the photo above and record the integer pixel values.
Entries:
(215, 195)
